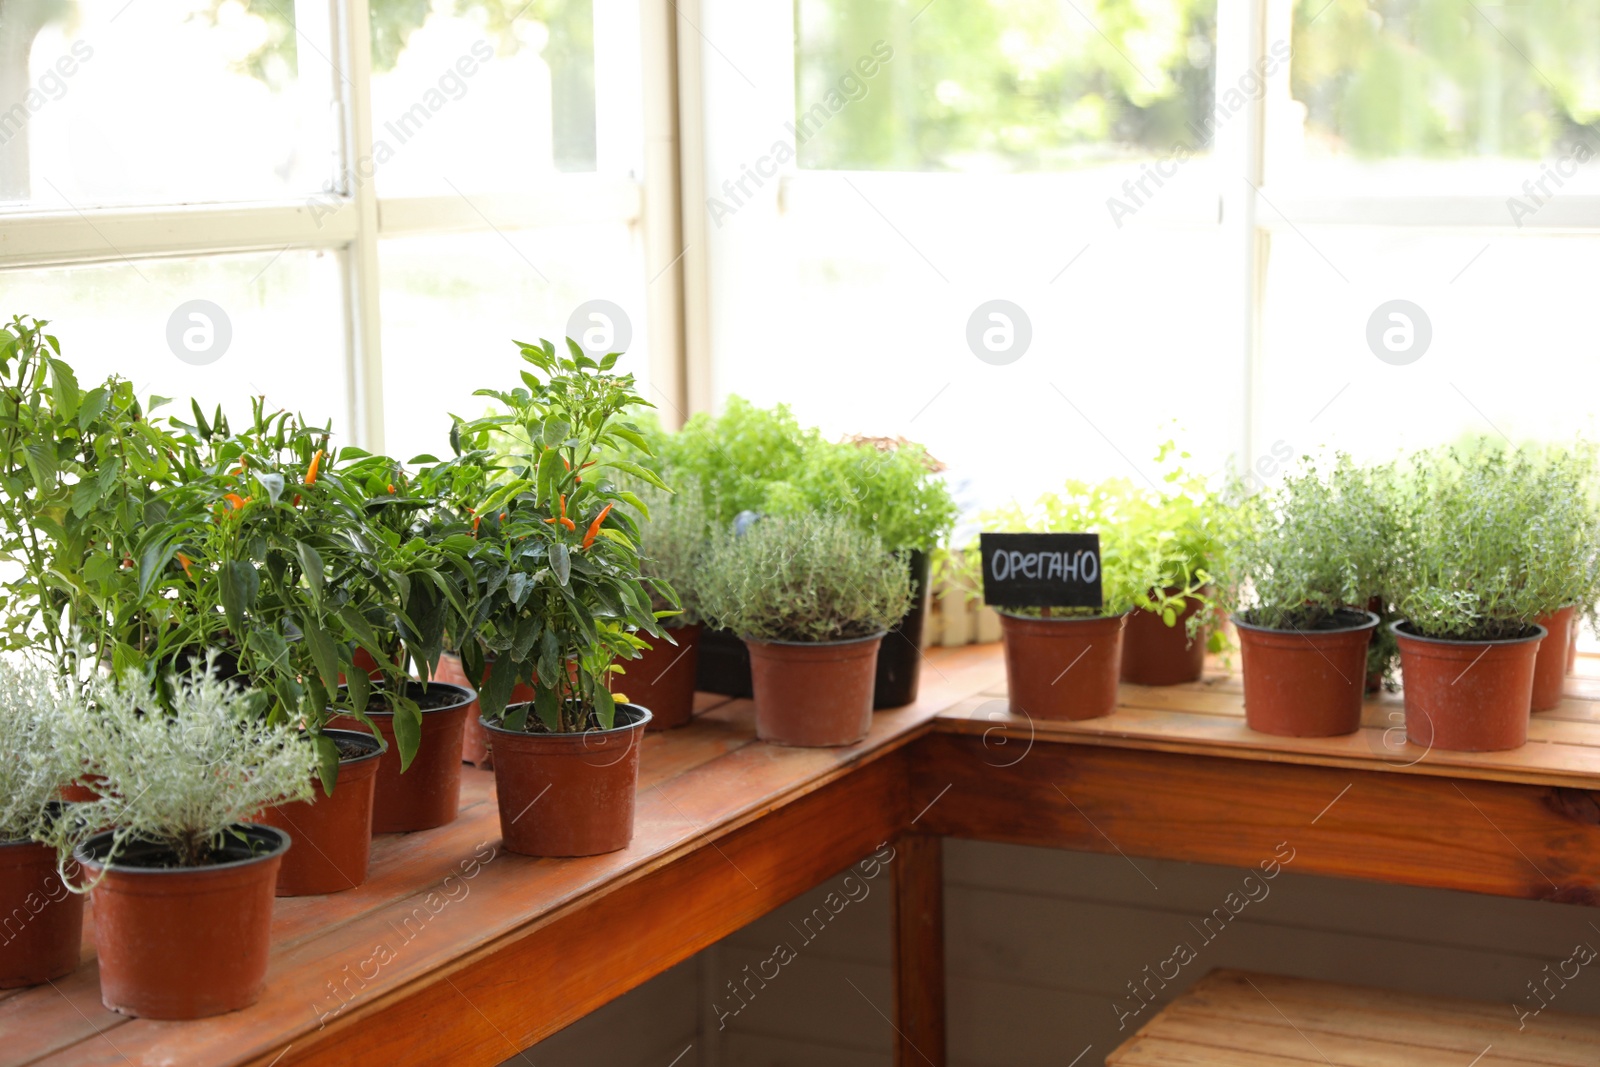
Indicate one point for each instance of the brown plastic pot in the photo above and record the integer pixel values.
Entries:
(814, 695)
(41, 920)
(662, 679)
(474, 739)
(569, 794)
(333, 831)
(1154, 653)
(1572, 649)
(1550, 666)
(1467, 696)
(185, 942)
(1306, 683)
(1063, 668)
(428, 793)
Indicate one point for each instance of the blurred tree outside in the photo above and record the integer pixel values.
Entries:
(1051, 84)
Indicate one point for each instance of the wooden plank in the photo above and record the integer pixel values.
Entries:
(1542, 762)
(1511, 840)
(1233, 1017)
(918, 925)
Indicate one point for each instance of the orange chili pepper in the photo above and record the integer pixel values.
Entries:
(311, 471)
(594, 527)
(185, 560)
(475, 520)
(562, 519)
(235, 501)
(391, 489)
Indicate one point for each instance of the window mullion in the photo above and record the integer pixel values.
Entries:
(364, 340)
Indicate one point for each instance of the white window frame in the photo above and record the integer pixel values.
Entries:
(351, 221)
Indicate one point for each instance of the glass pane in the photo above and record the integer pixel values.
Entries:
(999, 84)
(486, 95)
(1494, 337)
(220, 328)
(863, 329)
(162, 101)
(453, 304)
(1387, 91)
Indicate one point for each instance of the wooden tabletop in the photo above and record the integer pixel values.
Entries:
(455, 951)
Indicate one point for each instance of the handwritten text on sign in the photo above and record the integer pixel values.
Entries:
(1041, 570)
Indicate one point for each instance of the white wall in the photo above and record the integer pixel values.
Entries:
(1041, 946)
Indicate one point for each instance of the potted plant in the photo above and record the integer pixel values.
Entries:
(561, 598)
(1557, 651)
(43, 919)
(1064, 663)
(891, 488)
(674, 533)
(732, 458)
(812, 596)
(183, 883)
(1493, 540)
(1309, 558)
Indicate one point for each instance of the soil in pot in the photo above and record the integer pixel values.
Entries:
(1063, 667)
(1306, 682)
(474, 739)
(332, 832)
(1468, 696)
(814, 695)
(1154, 653)
(900, 657)
(569, 794)
(428, 794)
(184, 942)
(662, 679)
(41, 920)
(1550, 665)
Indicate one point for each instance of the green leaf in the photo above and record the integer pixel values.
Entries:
(323, 652)
(64, 388)
(407, 727)
(547, 706)
(42, 463)
(497, 687)
(327, 762)
(311, 564)
(200, 418)
(240, 583)
(560, 562)
(92, 407)
(272, 483)
(605, 708)
(554, 431)
(152, 561)
(629, 467)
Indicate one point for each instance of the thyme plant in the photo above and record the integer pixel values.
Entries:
(808, 578)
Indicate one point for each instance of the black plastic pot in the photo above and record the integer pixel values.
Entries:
(725, 661)
(900, 656)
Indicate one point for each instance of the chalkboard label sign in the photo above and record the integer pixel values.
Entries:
(1041, 570)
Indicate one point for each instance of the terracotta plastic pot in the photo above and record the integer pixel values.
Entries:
(333, 832)
(41, 920)
(662, 679)
(1467, 696)
(569, 794)
(474, 739)
(1306, 683)
(814, 695)
(185, 942)
(428, 794)
(1572, 649)
(1154, 653)
(1555, 651)
(1063, 668)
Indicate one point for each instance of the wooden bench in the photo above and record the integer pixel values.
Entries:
(1240, 1019)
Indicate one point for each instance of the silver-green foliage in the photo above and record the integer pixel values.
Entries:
(179, 780)
(811, 577)
(1322, 541)
(673, 542)
(1495, 537)
(36, 758)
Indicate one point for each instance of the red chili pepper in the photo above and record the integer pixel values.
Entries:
(311, 471)
(594, 527)
(297, 500)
